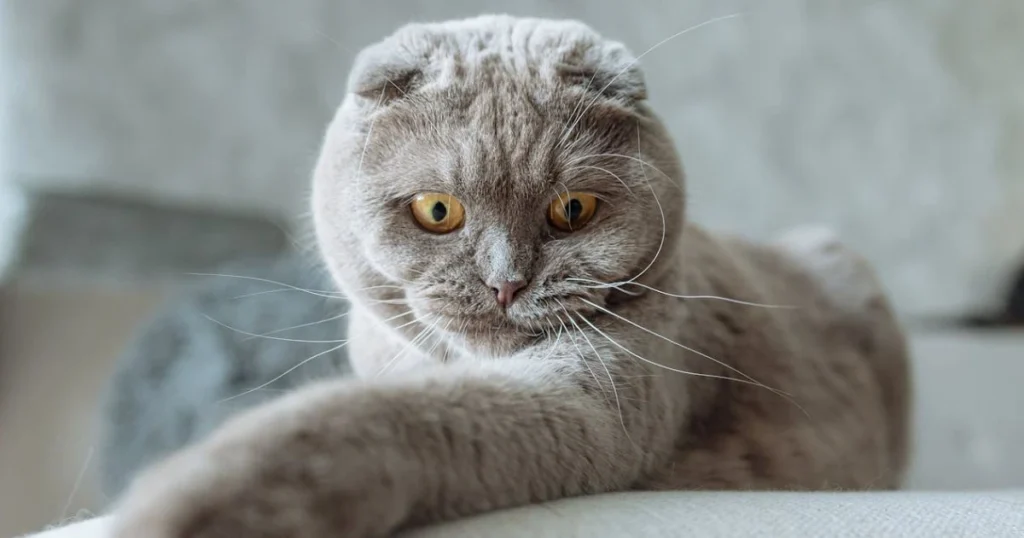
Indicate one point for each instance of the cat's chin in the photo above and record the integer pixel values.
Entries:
(491, 335)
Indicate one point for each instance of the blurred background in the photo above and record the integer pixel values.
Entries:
(144, 140)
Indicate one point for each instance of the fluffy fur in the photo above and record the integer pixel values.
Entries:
(598, 377)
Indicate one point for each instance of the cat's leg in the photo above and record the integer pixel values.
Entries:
(350, 458)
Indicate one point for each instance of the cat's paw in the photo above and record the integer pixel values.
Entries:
(255, 488)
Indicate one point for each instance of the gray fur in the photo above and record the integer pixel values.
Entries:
(605, 374)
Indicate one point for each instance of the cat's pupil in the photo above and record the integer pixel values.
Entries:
(438, 212)
(573, 209)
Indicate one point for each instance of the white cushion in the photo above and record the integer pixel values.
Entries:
(776, 515)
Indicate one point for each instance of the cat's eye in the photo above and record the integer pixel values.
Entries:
(437, 212)
(571, 211)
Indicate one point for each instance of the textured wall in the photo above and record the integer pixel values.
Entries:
(893, 121)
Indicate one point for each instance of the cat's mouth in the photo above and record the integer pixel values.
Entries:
(532, 319)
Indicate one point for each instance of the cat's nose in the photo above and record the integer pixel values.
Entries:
(505, 292)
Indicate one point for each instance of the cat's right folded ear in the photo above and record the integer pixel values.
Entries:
(382, 73)
(605, 68)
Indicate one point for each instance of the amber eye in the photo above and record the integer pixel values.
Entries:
(572, 210)
(438, 212)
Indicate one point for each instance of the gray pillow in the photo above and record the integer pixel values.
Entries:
(186, 371)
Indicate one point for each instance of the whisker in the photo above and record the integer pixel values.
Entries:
(438, 342)
(671, 181)
(386, 301)
(602, 285)
(661, 211)
(558, 338)
(286, 372)
(339, 294)
(268, 292)
(278, 338)
(623, 156)
(296, 340)
(670, 340)
(293, 327)
(268, 281)
(369, 131)
(605, 170)
(582, 359)
(615, 391)
(714, 298)
(78, 483)
(638, 58)
(659, 365)
(749, 381)
(423, 334)
(582, 99)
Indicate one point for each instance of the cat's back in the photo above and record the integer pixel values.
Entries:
(835, 355)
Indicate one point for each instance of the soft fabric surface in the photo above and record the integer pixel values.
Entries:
(196, 362)
(776, 515)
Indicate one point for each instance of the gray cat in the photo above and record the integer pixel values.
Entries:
(175, 382)
(534, 318)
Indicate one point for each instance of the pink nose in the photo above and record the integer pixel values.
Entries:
(506, 292)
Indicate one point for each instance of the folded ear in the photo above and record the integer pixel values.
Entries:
(605, 68)
(385, 72)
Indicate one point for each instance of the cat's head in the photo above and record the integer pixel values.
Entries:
(489, 174)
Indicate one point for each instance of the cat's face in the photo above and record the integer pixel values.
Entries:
(494, 202)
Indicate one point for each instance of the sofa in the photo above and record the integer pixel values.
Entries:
(732, 515)
(966, 478)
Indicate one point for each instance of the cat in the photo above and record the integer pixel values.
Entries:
(533, 318)
(192, 365)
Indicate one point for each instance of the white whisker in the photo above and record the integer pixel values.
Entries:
(615, 391)
(748, 379)
(582, 358)
(422, 335)
(605, 170)
(638, 58)
(266, 337)
(285, 373)
(293, 327)
(601, 285)
(558, 338)
(673, 342)
(438, 341)
(369, 131)
(332, 295)
(279, 290)
(623, 156)
(661, 211)
(659, 365)
(78, 483)
(714, 298)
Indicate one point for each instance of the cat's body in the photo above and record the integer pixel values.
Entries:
(507, 358)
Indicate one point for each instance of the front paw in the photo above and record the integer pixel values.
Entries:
(251, 488)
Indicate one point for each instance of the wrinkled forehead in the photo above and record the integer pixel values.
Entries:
(500, 141)
(487, 141)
